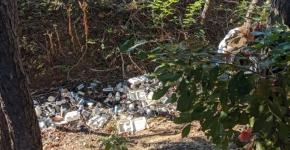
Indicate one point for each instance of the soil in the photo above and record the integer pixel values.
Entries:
(162, 135)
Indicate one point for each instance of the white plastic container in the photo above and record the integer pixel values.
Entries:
(125, 126)
(139, 123)
(72, 116)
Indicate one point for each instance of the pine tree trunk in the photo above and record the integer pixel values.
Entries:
(282, 8)
(19, 129)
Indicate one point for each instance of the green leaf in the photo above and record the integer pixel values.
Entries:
(278, 19)
(223, 117)
(127, 45)
(268, 126)
(196, 74)
(184, 102)
(259, 146)
(282, 131)
(259, 122)
(243, 85)
(169, 77)
(142, 55)
(180, 62)
(224, 100)
(184, 117)
(173, 98)
(252, 121)
(138, 43)
(108, 147)
(214, 73)
(182, 86)
(161, 68)
(274, 109)
(186, 131)
(160, 92)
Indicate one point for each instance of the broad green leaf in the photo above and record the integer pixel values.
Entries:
(275, 110)
(252, 121)
(182, 86)
(278, 19)
(225, 143)
(108, 147)
(224, 100)
(196, 74)
(283, 132)
(160, 92)
(268, 125)
(180, 62)
(243, 86)
(138, 43)
(184, 102)
(285, 45)
(232, 90)
(184, 117)
(169, 77)
(223, 117)
(259, 122)
(186, 131)
(127, 45)
(142, 55)
(173, 98)
(214, 73)
(161, 68)
(259, 146)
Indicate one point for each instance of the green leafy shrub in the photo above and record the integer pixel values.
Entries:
(242, 99)
(114, 142)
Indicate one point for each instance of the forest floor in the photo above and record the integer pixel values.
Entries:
(163, 135)
(52, 58)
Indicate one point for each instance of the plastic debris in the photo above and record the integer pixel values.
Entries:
(129, 104)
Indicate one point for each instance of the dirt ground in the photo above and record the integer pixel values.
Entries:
(162, 135)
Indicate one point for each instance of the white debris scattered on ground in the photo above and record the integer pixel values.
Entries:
(129, 104)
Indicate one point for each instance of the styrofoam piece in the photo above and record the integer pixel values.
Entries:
(42, 125)
(72, 116)
(139, 123)
(125, 126)
(150, 95)
(60, 123)
(134, 80)
(136, 124)
(141, 95)
(137, 95)
(38, 111)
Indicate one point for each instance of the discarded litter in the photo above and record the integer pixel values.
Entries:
(129, 104)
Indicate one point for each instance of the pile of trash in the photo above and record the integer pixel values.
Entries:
(129, 104)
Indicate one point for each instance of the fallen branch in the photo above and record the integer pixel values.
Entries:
(135, 63)
(104, 70)
(123, 63)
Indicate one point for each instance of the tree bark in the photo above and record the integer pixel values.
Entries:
(282, 8)
(19, 129)
(206, 11)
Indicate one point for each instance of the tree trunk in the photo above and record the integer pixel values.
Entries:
(19, 129)
(206, 11)
(249, 14)
(282, 8)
